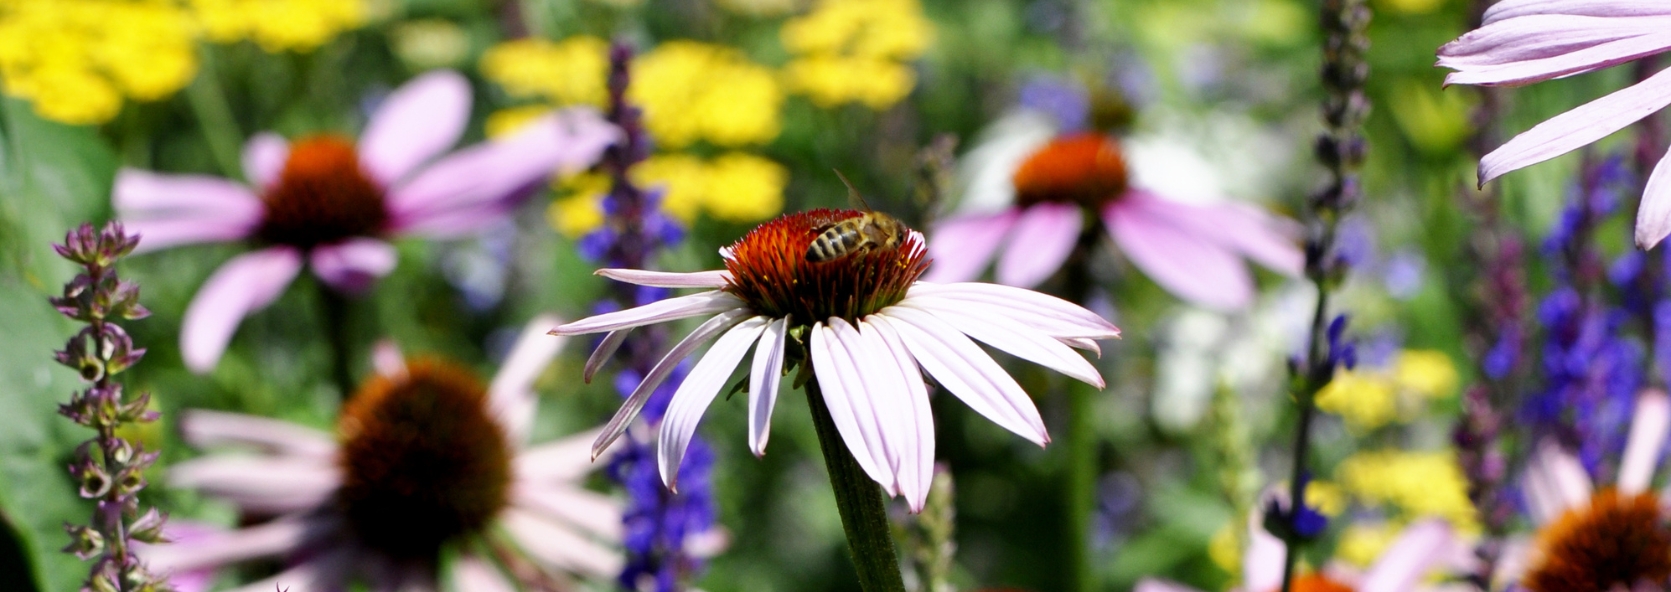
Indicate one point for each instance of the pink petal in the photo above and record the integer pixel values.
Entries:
(594, 512)
(659, 373)
(171, 210)
(1559, 474)
(697, 392)
(1647, 437)
(474, 574)
(243, 285)
(1653, 215)
(764, 375)
(259, 485)
(478, 184)
(353, 265)
(264, 157)
(418, 121)
(966, 371)
(1578, 127)
(511, 397)
(328, 570)
(1262, 562)
(559, 547)
(656, 312)
(1538, 37)
(1579, 61)
(216, 548)
(1507, 9)
(1195, 268)
(841, 384)
(890, 357)
(716, 278)
(1270, 240)
(1410, 557)
(962, 246)
(215, 428)
(1041, 240)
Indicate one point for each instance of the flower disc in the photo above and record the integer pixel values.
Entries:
(1086, 169)
(422, 460)
(770, 270)
(1617, 540)
(322, 196)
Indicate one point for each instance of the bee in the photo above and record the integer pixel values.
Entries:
(869, 231)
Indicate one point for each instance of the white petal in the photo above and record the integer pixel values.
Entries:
(1154, 585)
(1018, 340)
(890, 356)
(227, 547)
(1578, 127)
(697, 391)
(1647, 436)
(511, 397)
(1653, 215)
(1024, 305)
(635, 402)
(969, 373)
(559, 547)
(259, 485)
(655, 312)
(1564, 475)
(834, 371)
(1409, 558)
(662, 279)
(594, 512)
(472, 574)
(215, 428)
(606, 349)
(1616, 8)
(763, 381)
(563, 460)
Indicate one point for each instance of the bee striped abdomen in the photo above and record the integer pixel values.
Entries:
(834, 243)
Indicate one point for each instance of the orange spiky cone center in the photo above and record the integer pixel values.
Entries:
(1087, 169)
(770, 271)
(321, 196)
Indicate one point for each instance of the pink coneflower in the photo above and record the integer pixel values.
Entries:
(1612, 538)
(329, 203)
(1193, 250)
(1402, 567)
(428, 458)
(1526, 41)
(866, 328)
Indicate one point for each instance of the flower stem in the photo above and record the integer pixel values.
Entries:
(336, 317)
(214, 116)
(1081, 484)
(864, 515)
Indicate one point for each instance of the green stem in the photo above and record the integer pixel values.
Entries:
(214, 117)
(1081, 482)
(336, 319)
(864, 513)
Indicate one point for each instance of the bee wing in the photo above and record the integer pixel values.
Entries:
(852, 194)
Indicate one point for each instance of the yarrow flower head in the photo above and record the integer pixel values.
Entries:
(428, 458)
(1192, 250)
(330, 204)
(861, 325)
(1525, 41)
(279, 25)
(1598, 539)
(75, 60)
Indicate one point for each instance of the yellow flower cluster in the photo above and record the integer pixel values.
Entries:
(279, 25)
(1416, 484)
(568, 72)
(853, 51)
(735, 187)
(1369, 399)
(75, 60)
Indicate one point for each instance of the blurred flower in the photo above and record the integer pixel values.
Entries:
(427, 44)
(1369, 398)
(1422, 547)
(760, 8)
(1526, 41)
(1606, 539)
(1192, 250)
(75, 60)
(567, 72)
(832, 318)
(429, 458)
(734, 187)
(853, 51)
(330, 204)
(1415, 484)
(279, 25)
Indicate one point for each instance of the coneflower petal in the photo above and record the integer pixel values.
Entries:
(917, 471)
(511, 396)
(857, 432)
(716, 278)
(1589, 59)
(1019, 341)
(278, 537)
(591, 511)
(880, 393)
(969, 373)
(681, 307)
(328, 570)
(1653, 216)
(1041, 240)
(558, 547)
(766, 372)
(1025, 306)
(1403, 565)
(698, 391)
(1578, 127)
(566, 459)
(1536, 37)
(635, 402)
(263, 159)
(963, 246)
(1507, 9)
(207, 429)
(259, 485)
(606, 349)
(1648, 426)
(473, 573)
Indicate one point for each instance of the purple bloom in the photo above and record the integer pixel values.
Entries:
(1526, 41)
(330, 204)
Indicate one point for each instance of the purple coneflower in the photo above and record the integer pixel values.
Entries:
(1525, 41)
(1193, 250)
(428, 458)
(865, 328)
(1424, 545)
(329, 203)
(1612, 538)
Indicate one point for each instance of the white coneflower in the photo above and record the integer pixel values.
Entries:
(864, 326)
